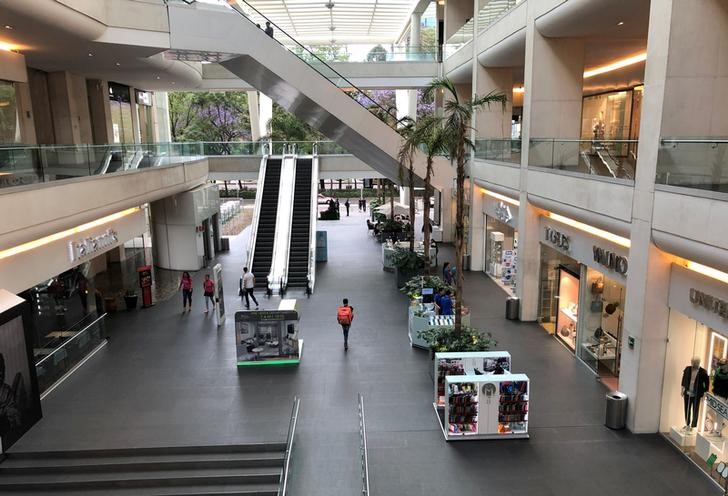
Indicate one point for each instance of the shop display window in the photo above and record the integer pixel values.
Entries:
(551, 261)
(501, 253)
(600, 343)
(568, 305)
(607, 116)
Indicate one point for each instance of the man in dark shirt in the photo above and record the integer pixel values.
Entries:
(268, 29)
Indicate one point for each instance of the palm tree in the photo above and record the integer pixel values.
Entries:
(406, 157)
(428, 134)
(456, 118)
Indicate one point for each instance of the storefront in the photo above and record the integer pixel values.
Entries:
(697, 334)
(582, 292)
(500, 250)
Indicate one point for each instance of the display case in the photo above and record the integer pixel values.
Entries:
(422, 317)
(495, 253)
(485, 407)
(467, 363)
(268, 337)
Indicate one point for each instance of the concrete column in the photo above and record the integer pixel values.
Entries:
(406, 101)
(69, 107)
(100, 111)
(135, 127)
(26, 122)
(552, 109)
(266, 113)
(254, 111)
(684, 57)
(38, 86)
(447, 215)
(494, 121)
(162, 131)
(457, 13)
(477, 227)
(404, 195)
(415, 29)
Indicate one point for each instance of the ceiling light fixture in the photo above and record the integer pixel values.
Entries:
(590, 229)
(504, 198)
(519, 89)
(8, 26)
(440, 2)
(90, 54)
(635, 59)
(158, 77)
(329, 5)
(118, 64)
(620, 23)
(706, 271)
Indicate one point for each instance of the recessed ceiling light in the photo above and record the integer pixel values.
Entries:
(8, 26)
(620, 23)
(90, 54)
(118, 64)
(158, 77)
(173, 82)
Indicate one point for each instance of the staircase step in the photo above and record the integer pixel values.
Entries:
(180, 490)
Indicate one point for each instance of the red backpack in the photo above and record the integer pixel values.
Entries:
(344, 315)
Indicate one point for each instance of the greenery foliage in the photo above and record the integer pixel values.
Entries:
(407, 261)
(285, 126)
(414, 286)
(207, 116)
(444, 339)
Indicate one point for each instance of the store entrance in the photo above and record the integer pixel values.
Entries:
(568, 306)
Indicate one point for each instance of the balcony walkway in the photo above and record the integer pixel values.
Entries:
(169, 379)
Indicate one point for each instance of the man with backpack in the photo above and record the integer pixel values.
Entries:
(345, 314)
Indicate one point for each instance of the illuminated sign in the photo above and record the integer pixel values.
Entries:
(92, 245)
(503, 212)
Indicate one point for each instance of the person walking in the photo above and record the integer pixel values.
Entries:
(346, 205)
(360, 204)
(447, 273)
(364, 204)
(209, 291)
(268, 29)
(445, 304)
(345, 314)
(248, 287)
(186, 286)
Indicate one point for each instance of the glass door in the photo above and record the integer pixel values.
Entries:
(568, 307)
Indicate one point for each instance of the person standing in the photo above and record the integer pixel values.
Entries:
(248, 287)
(447, 273)
(445, 304)
(346, 205)
(345, 314)
(268, 29)
(186, 287)
(209, 291)
(364, 204)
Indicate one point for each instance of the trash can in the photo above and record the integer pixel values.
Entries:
(616, 410)
(512, 305)
(224, 244)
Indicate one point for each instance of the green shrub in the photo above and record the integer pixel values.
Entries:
(444, 339)
(407, 261)
(414, 286)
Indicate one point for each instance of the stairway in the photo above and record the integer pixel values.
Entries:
(298, 255)
(247, 469)
(263, 254)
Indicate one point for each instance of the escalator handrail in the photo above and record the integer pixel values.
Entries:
(289, 226)
(256, 211)
(312, 226)
(237, 9)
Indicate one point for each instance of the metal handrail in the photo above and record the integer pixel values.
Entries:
(256, 212)
(314, 218)
(363, 449)
(284, 274)
(65, 343)
(237, 9)
(572, 140)
(283, 486)
(691, 140)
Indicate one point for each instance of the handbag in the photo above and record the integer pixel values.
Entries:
(597, 305)
(598, 286)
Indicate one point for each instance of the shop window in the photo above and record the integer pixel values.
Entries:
(501, 253)
(9, 126)
(551, 263)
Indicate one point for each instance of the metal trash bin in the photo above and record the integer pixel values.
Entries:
(512, 305)
(616, 410)
(224, 244)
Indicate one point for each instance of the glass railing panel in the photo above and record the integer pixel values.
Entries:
(502, 150)
(70, 347)
(367, 52)
(19, 166)
(65, 161)
(251, 14)
(607, 158)
(331, 148)
(212, 148)
(693, 163)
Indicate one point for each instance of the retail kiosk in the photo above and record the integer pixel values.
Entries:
(485, 407)
(422, 316)
(467, 363)
(268, 337)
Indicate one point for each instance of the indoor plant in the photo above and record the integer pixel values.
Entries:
(443, 339)
(413, 287)
(406, 264)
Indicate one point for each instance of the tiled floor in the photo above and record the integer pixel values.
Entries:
(170, 379)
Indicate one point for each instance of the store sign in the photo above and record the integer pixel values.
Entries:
(710, 303)
(717, 405)
(557, 238)
(611, 260)
(503, 212)
(91, 245)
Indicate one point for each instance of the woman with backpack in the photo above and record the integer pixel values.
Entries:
(345, 314)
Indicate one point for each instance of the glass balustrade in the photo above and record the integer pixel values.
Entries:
(501, 150)
(607, 158)
(693, 163)
(490, 13)
(371, 53)
(20, 165)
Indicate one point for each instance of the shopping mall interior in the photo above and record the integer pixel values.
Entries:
(521, 203)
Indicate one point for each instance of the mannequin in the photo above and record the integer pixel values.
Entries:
(694, 384)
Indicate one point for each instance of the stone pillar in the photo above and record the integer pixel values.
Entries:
(415, 30)
(254, 111)
(26, 120)
(266, 113)
(162, 131)
(477, 226)
(494, 121)
(69, 106)
(406, 101)
(678, 30)
(100, 111)
(135, 128)
(552, 109)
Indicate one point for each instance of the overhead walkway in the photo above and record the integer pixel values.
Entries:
(310, 91)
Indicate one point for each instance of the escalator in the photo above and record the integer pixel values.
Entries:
(265, 235)
(299, 250)
(297, 80)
